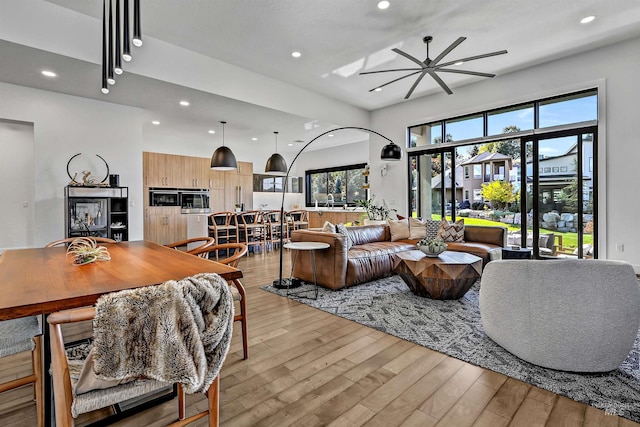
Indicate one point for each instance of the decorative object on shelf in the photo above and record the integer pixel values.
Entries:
(276, 163)
(115, 39)
(431, 66)
(391, 151)
(85, 250)
(223, 158)
(432, 247)
(87, 179)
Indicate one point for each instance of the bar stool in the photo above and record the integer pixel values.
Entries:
(272, 221)
(298, 219)
(252, 230)
(223, 227)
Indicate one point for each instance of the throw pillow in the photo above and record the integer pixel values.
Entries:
(451, 232)
(328, 227)
(432, 229)
(417, 229)
(399, 229)
(342, 229)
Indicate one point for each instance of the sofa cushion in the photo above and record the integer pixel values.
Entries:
(372, 261)
(369, 233)
(328, 227)
(451, 231)
(399, 229)
(342, 229)
(423, 228)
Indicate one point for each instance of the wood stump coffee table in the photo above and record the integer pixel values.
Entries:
(448, 276)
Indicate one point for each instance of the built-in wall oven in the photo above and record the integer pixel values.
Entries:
(194, 201)
(164, 197)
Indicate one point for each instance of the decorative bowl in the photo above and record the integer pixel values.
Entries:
(432, 253)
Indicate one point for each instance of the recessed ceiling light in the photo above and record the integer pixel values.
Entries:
(254, 139)
(383, 4)
(184, 103)
(290, 145)
(587, 19)
(48, 73)
(378, 89)
(330, 135)
(459, 63)
(155, 122)
(212, 131)
(296, 54)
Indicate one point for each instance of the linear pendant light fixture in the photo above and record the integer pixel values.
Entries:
(115, 39)
(223, 158)
(126, 47)
(105, 86)
(137, 28)
(276, 163)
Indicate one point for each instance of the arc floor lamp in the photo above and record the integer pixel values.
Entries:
(390, 152)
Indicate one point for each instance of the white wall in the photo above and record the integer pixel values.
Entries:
(66, 125)
(17, 213)
(613, 68)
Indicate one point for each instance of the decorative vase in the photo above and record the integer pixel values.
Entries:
(432, 253)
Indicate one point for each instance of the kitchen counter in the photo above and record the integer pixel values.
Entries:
(318, 217)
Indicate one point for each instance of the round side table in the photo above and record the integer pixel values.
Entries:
(305, 246)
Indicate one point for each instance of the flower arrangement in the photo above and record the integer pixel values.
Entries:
(375, 212)
(432, 247)
(85, 250)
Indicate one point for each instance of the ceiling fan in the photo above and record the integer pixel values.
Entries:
(431, 66)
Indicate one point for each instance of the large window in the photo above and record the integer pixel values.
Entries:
(531, 168)
(345, 184)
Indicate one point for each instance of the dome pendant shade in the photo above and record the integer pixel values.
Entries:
(276, 164)
(223, 159)
(391, 152)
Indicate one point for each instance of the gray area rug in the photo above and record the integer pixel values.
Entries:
(454, 327)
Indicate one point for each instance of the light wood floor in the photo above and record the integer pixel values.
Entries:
(310, 368)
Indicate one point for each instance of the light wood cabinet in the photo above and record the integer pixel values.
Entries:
(159, 170)
(238, 187)
(318, 218)
(165, 225)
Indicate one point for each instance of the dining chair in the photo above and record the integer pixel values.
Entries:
(162, 361)
(193, 244)
(230, 254)
(223, 227)
(71, 239)
(252, 230)
(17, 336)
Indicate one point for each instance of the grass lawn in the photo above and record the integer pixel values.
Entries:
(569, 240)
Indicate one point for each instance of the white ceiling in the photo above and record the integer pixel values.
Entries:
(337, 39)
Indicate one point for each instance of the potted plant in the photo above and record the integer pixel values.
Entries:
(432, 247)
(376, 213)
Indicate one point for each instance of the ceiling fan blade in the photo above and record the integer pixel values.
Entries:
(388, 71)
(395, 80)
(447, 50)
(413, 87)
(442, 84)
(472, 73)
(409, 57)
(471, 58)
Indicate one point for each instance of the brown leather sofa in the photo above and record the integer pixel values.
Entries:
(370, 256)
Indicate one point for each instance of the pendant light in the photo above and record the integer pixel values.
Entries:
(118, 65)
(137, 29)
(110, 78)
(105, 86)
(223, 158)
(276, 163)
(391, 151)
(126, 48)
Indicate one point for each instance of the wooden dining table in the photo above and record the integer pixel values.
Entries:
(40, 281)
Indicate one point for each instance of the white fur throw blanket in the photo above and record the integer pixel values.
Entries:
(177, 332)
